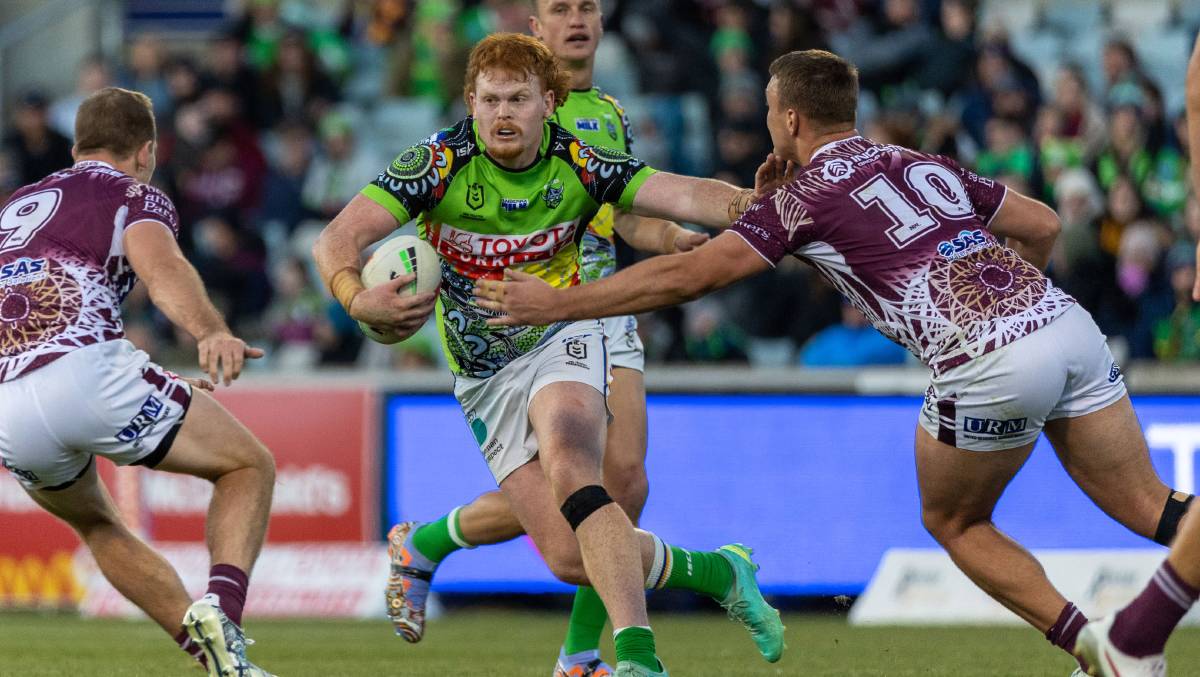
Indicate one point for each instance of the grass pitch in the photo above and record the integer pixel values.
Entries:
(502, 643)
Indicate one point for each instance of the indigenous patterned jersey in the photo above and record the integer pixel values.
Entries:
(904, 236)
(599, 120)
(482, 218)
(63, 272)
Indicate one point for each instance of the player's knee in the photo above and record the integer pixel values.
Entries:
(945, 525)
(628, 484)
(567, 565)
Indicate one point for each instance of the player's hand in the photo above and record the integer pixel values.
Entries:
(523, 299)
(201, 383)
(224, 353)
(771, 174)
(385, 308)
(688, 240)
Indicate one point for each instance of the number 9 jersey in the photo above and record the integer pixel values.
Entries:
(904, 236)
(63, 272)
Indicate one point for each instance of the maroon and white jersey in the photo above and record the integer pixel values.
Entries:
(63, 272)
(904, 236)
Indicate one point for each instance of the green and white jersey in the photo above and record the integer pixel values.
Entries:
(482, 218)
(599, 120)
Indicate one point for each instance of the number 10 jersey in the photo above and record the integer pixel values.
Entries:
(904, 237)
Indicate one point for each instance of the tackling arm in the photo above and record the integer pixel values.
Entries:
(656, 236)
(1030, 226)
(706, 202)
(652, 284)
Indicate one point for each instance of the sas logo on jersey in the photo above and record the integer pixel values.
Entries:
(587, 124)
(836, 170)
(511, 205)
(967, 242)
(475, 195)
(552, 193)
(23, 270)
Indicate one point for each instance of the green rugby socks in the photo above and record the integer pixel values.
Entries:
(438, 539)
(636, 644)
(588, 617)
(705, 572)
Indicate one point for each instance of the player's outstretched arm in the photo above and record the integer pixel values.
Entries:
(706, 202)
(178, 292)
(1030, 226)
(1193, 132)
(652, 284)
(656, 236)
(338, 252)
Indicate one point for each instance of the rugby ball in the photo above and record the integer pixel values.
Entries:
(401, 255)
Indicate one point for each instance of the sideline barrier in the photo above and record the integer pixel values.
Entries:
(923, 587)
(821, 486)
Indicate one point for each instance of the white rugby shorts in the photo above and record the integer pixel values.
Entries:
(107, 399)
(624, 345)
(497, 407)
(1002, 400)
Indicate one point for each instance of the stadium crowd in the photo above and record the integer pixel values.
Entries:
(267, 130)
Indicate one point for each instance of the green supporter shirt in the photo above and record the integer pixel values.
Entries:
(482, 218)
(599, 120)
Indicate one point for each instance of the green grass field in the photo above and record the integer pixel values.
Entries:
(501, 643)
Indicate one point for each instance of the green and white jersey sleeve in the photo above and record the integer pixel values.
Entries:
(482, 218)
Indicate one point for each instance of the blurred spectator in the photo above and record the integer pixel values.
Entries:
(709, 335)
(1146, 289)
(853, 342)
(342, 168)
(1177, 336)
(144, 71)
(94, 75)
(227, 69)
(1122, 74)
(294, 87)
(946, 63)
(1079, 265)
(1124, 207)
(282, 203)
(232, 263)
(1008, 151)
(183, 84)
(1004, 86)
(34, 148)
(886, 48)
(1125, 153)
(296, 320)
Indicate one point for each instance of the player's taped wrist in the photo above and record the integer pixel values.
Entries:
(740, 203)
(345, 285)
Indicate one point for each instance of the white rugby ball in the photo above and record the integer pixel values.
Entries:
(401, 255)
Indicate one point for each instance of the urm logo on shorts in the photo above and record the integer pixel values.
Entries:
(967, 242)
(152, 410)
(994, 426)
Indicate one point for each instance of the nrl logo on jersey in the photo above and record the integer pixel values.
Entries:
(552, 193)
(475, 195)
(836, 170)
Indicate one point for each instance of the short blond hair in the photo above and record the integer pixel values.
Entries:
(521, 56)
(117, 120)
